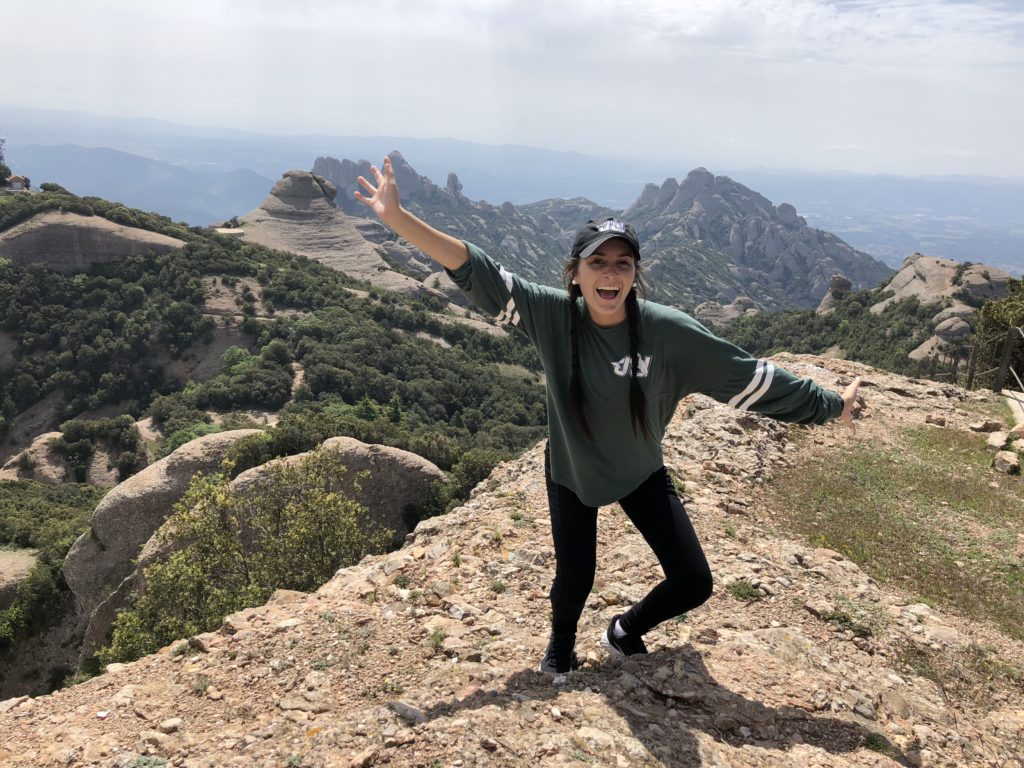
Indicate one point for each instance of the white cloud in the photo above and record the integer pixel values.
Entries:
(908, 86)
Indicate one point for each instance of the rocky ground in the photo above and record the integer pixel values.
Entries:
(426, 656)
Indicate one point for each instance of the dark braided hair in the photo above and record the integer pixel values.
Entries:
(637, 399)
(577, 397)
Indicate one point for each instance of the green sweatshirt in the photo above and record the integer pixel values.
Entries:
(678, 356)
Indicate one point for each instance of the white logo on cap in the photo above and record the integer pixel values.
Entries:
(612, 225)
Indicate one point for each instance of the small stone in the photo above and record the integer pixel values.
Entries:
(489, 744)
(407, 712)
(997, 441)
(171, 725)
(985, 426)
(1007, 462)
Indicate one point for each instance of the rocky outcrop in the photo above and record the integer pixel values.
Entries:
(717, 314)
(507, 232)
(71, 242)
(123, 522)
(960, 286)
(300, 215)
(40, 462)
(838, 287)
(389, 482)
(933, 280)
(426, 655)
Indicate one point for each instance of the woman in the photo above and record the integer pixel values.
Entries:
(616, 367)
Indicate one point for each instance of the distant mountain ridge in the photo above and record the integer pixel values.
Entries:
(708, 238)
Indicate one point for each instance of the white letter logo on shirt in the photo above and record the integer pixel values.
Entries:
(624, 366)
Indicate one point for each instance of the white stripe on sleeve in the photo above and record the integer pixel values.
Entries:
(754, 382)
(507, 277)
(769, 373)
(506, 314)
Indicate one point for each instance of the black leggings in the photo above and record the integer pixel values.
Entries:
(656, 511)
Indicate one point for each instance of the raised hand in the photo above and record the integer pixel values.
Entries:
(383, 200)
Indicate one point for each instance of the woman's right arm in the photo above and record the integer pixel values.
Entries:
(383, 201)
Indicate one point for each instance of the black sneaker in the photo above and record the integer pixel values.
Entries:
(560, 657)
(621, 647)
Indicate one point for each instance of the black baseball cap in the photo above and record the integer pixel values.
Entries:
(593, 233)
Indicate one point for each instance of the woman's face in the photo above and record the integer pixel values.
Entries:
(605, 278)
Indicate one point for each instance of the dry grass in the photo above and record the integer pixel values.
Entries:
(927, 515)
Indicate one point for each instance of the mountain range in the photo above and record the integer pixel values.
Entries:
(968, 219)
(708, 238)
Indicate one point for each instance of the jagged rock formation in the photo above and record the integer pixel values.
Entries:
(300, 216)
(506, 231)
(959, 287)
(71, 242)
(838, 287)
(426, 655)
(707, 239)
(717, 314)
(770, 253)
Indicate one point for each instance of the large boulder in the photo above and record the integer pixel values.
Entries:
(389, 482)
(123, 522)
(394, 483)
(838, 287)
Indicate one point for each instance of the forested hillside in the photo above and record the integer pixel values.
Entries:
(330, 355)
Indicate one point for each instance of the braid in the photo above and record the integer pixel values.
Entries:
(637, 400)
(576, 397)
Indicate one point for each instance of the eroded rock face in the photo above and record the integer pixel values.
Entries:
(300, 216)
(47, 465)
(720, 314)
(70, 242)
(102, 557)
(933, 280)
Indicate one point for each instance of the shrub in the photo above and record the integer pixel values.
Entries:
(292, 532)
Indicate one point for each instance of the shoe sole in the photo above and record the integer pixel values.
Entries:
(612, 650)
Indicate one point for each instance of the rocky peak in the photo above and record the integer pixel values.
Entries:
(301, 215)
(453, 184)
(769, 248)
(412, 185)
(303, 185)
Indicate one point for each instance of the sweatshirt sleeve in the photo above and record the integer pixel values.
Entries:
(508, 298)
(725, 372)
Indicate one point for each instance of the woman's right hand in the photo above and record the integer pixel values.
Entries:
(383, 200)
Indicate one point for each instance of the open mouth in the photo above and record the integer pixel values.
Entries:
(607, 293)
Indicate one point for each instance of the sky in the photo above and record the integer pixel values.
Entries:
(908, 87)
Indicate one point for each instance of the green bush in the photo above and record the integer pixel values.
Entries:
(292, 532)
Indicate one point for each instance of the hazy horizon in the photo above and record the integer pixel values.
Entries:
(918, 88)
